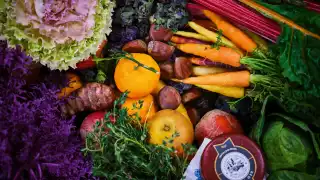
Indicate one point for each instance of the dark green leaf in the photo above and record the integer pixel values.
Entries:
(271, 146)
(291, 175)
(257, 130)
(304, 127)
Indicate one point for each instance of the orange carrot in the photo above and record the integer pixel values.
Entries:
(232, 32)
(183, 40)
(233, 79)
(278, 17)
(214, 37)
(223, 54)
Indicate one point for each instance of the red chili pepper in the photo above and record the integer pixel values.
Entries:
(89, 63)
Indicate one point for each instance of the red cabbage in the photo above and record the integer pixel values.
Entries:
(36, 141)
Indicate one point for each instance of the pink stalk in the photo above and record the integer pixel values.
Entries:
(239, 15)
(244, 21)
(311, 5)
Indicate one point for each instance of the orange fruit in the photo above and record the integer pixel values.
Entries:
(145, 112)
(139, 81)
(165, 123)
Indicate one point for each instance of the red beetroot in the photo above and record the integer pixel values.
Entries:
(215, 123)
(161, 34)
(89, 122)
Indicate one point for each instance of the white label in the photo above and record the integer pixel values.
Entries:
(235, 166)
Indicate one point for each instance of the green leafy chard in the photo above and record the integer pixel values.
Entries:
(121, 150)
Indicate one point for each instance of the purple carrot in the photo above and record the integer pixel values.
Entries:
(205, 62)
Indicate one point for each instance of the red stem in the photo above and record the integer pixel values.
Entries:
(311, 5)
(240, 9)
(244, 19)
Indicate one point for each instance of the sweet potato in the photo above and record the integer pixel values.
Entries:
(93, 97)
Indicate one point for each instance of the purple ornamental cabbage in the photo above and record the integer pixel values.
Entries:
(36, 141)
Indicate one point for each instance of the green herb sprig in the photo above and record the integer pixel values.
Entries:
(121, 150)
(122, 54)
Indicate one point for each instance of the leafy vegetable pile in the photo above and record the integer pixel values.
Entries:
(171, 15)
(299, 60)
(57, 34)
(36, 140)
(290, 146)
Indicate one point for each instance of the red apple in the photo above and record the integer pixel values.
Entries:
(89, 122)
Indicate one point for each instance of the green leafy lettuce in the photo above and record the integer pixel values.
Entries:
(48, 50)
(288, 143)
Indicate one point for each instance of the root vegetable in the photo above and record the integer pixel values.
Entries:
(160, 51)
(215, 123)
(214, 37)
(193, 35)
(235, 92)
(182, 68)
(166, 70)
(169, 98)
(191, 95)
(156, 90)
(136, 46)
(161, 34)
(93, 97)
(207, 70)
(194, 115)
(183, 40)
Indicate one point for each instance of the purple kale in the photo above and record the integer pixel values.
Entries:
(124, 35)
(129, 34)
(36, 141)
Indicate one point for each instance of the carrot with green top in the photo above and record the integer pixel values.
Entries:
(206, 70)
(235, 92)
(206, 23)
(232, 32)
(214, 37)
(235, 79)
(230, 56)
(183, 40)
(193, 35)
(223, 54)
(238, 79)
(278, 17)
